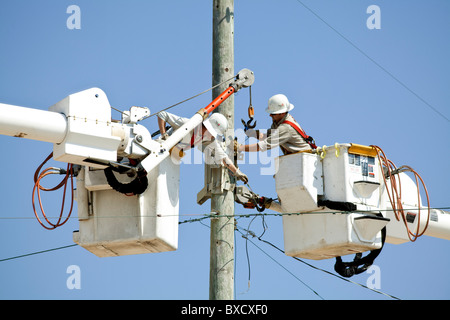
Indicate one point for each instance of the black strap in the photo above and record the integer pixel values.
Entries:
(337, 205)
(359, 263)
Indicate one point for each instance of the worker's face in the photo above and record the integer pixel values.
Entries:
(277, 117)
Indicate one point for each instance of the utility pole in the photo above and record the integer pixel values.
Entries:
(221, 274)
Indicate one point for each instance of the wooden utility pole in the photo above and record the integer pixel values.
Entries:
(221, 274)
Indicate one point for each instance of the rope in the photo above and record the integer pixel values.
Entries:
(199, 94)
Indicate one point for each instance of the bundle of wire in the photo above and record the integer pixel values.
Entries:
(395, 192)
(38, 176)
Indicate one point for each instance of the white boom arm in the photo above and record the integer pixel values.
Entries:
(79, 127)
(32, 124)
(160, 151)
(82, 132)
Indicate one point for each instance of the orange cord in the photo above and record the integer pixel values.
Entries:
(395, 192)
(37, 186)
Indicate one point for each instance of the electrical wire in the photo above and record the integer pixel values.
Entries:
(373, 61)
(273, 259)
(394, 192)
(195, 96)
(249, 232)
(264, 225)
(244, 215)
(37, 252)
(245, 236)
(265, 241)
(330, 273)
(38, 176)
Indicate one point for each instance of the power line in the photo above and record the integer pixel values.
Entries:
(373, 61)
(339, 277)
(273, 259)
(38, 252)
(204, 216)
(310, 265)
(245, 237)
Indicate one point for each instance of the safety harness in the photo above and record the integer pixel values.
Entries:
(308, 139)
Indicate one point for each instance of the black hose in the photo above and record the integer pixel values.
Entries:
(137, 186)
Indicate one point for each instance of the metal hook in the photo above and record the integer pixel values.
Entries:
(251, 113)
(248, 125)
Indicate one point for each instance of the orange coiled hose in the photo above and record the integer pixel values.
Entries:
(38, 176)
(395, 192)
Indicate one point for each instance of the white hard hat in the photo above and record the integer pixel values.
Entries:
(279, 103)
(216, 124)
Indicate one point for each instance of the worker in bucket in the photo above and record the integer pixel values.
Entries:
(284, 132)
(206, 137)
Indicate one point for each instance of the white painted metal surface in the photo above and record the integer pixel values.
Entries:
(351, 177)
(82, 131)
(89, 134)
(161, 150)
(298, 182)
(113, 224)
(438, 220)
(323, 235)
(32, 124)
(348, 175)
(302, 179)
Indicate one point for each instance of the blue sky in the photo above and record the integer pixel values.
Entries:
(156, 53)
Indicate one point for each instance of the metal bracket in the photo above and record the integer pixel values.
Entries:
(135, 114)
(214, 186)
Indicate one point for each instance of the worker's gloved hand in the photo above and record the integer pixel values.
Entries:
(241, 176)
(164, 136)
(252, 133)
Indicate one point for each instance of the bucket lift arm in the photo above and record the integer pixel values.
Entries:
(158, 151)
(82, 132)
